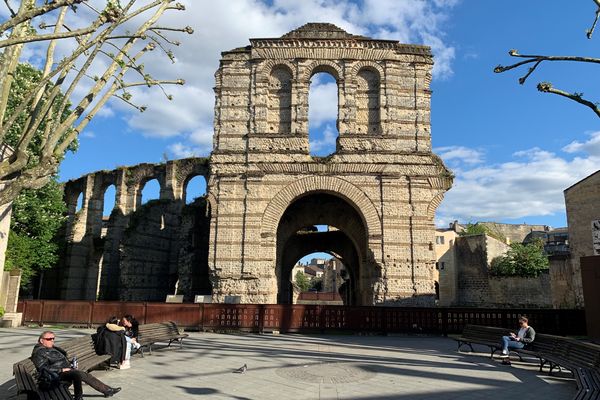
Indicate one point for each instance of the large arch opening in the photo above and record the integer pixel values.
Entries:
(345, 238)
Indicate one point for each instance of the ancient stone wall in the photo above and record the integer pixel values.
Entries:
(477, 288)
(583, 207)
(135, 253)
(380, 189)
(383, 166)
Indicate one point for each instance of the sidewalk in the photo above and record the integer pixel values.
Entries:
(307, 367)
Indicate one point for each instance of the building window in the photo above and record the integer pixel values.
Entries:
(439, 240)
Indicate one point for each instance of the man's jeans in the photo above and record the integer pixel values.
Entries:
(508, 343)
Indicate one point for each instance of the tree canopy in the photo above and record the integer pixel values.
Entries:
(302, 281)
(526, 260)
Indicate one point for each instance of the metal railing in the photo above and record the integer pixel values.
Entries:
(301, 318)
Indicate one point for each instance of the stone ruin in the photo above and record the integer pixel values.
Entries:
(378, 192)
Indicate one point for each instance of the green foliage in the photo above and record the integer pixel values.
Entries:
(316, 284)
(521, 260)
(36, 218)
(479, 229)
(25, 78)
(1, 311)
(302, 281)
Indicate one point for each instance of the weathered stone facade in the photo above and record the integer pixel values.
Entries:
(380, 189)
(583, 206)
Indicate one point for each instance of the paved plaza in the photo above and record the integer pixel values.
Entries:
(306, 367)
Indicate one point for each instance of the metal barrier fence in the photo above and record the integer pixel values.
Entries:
(301, 318)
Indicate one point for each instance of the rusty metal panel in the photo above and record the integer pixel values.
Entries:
(103, 310)
(299, 318)
(183, 314)
(232, 317)
(66, 312)
(590, 276)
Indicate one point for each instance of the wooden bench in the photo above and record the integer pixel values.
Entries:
(149, 334)
(25, 372)
(81, 347)
(84, 349)
(482, 335)
(582, 359)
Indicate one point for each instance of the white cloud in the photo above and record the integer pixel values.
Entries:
(88, 134)
(530, 184)
(325, 144)
(460, 154)
(592, 146)
(223, 25)
(323, 99)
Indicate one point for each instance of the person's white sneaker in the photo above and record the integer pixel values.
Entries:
(125, 365)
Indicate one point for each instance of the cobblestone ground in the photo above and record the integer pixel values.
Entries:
(307, 367)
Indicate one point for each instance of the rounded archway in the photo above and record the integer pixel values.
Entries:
(347, 239)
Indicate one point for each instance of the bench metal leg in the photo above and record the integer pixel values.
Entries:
(460, 344)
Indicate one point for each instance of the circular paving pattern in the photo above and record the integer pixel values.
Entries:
(327, 372)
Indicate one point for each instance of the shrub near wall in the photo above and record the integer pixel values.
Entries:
(524, 260)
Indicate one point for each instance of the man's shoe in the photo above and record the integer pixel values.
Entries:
(78, 398)
(112, 391)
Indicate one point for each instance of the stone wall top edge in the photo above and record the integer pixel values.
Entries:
(205, 160)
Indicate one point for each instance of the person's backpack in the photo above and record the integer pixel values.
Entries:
(47, 379)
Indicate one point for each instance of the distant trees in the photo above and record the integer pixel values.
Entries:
(302, 281)
(480, 229)
(535, 60)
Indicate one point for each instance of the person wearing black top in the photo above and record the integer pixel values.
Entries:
(52, 361)
(131, 334)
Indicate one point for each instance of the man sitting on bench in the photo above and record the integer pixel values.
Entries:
(520, 340)
(52, 362)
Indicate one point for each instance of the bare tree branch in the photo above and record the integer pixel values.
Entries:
(40, 103)
(34, 12)
(535, 60)
(546, 87)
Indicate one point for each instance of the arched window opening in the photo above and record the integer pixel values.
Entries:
(79, 204)
(323, 114)
(194, 188)
(279, 105)
(437, 290)
(151, 191)
(110, 200)
(367, 102)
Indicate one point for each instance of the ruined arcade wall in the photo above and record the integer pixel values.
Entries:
(141, 250)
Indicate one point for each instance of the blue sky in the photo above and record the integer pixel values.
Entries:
(513, 150)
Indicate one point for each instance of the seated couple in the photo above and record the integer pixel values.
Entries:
(118, 338)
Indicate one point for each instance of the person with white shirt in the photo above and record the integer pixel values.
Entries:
(524, 336)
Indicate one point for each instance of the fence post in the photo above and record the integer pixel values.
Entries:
(444, 317)
(89, 322)
(41, 321)
(145, 312)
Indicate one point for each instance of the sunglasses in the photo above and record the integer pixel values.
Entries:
(48, 338)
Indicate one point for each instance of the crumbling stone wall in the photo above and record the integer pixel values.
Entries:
(135, 254)
(477, 288)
